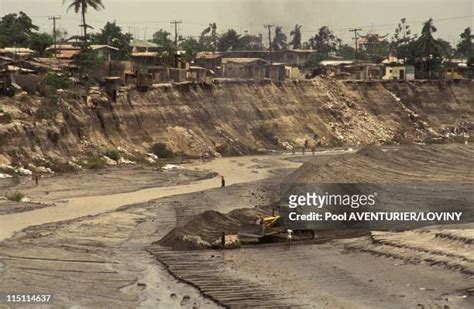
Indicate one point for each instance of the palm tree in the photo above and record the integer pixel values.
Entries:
(428, 48)
(465, 47)
(82, 6)
(296, 37)
(279, 42)
(212, 28)
(427, 44)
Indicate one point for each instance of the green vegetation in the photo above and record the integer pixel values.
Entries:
(208, 38)
(94, 163)
(7, 117)
(279, 39)
(15, 29)
(266, 133)
(87, 61)
(296, 37)
(40, 42)
(54, 82)
(62, 167)
(82, 6)
(57, 165)
(113, 154)
(6, 170)
(161, 150)
(19, 30)
(229, 40)
(15, 196)
(48, 109)
(112, 35)
(435, 140)
(425, 51)
(465, 47)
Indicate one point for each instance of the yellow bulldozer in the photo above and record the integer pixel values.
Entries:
(269, 229)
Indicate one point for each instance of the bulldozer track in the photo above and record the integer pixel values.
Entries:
(205, 271)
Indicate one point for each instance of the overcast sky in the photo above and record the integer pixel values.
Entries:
(143, 17)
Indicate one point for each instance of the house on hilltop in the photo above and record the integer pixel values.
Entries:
(69, 51)
(396, 69)
(144, 53)
(16, 53)
(290, 57)
(256, 69)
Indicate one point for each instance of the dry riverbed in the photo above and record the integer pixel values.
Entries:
(100, 256)
(99, 260)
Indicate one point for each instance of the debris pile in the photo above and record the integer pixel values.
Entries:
(462, 129)
(420, 125)
(351, 122)
(204, 231)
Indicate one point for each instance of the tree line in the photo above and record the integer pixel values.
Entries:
(423, 50)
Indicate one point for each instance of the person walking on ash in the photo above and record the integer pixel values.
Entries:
(288, 238)
(223, 240)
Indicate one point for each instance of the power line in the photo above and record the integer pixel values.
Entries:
(269, 27)
(176, 22)
(355, 30)
(54, 18)
(396, 24)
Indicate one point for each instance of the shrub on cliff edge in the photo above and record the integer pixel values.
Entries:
(114, 154)
(161, 150)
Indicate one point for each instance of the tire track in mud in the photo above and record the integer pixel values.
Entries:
(422, 247)
(205, 270)
(457, 238)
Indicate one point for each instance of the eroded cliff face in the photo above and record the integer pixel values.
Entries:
(197, 120)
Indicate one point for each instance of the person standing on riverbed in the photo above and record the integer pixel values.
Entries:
(35, 178)
(223, 240)
(222, 182)
(288, 238)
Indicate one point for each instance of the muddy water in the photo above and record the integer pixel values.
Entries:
(235, 170)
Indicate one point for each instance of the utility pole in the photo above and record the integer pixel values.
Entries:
(176, 22)
(355, 30)
(269, 27)
(54, 18)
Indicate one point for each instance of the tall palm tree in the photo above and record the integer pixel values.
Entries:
(296, 37)
(279, 41)
(428, 48)
(82, 6)
(427, 44)
(212, 28)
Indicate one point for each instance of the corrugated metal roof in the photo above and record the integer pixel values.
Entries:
(145, 54)
(243, 60)
(142, 43)
(17, 50)
(208, 55)
(95, 47)
(336, 62)
(66, 54)
(63, 47)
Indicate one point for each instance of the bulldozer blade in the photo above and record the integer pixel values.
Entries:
(251, 230)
